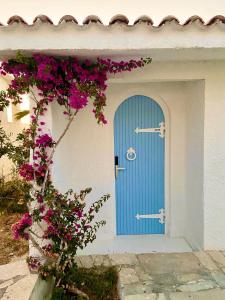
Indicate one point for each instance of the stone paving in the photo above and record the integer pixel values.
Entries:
(152, 276)
(16, 282)
(171, 276)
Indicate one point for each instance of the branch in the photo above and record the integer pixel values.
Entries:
(35, 244)
(35, 234)
(34, 97)
(76, 291)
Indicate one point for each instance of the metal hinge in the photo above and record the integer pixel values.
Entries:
(161, 216)
(161, 129)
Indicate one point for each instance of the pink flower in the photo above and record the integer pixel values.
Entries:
(100, 117)
(26, 171)
(50, 232)
(44, 140)
(42, 208)
(68, 236)
(39, 198)
(48, 215)
(18, 229)
(77, 99)
(79, 213)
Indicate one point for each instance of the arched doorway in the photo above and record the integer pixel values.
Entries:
(139, 130)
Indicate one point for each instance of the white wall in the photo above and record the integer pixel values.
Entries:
(194, 164)
(89, 149)
(86, 156)
(214, 160)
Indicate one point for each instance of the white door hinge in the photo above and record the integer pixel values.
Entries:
(161, 130)
(161, 216)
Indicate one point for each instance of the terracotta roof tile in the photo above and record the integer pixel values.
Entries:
(68, 19)
(91, 19)
(168, 19)
(144, 19)
(42, 19)
(216, 19)
(16, 19)
(119, 19)
(193, 19)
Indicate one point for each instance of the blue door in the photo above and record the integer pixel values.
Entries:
(139, 166)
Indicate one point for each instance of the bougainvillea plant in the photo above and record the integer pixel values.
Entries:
(57, 224)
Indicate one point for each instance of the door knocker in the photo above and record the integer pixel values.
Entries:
(131, 154)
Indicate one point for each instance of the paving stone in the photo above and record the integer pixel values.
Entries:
(123, 259)
(142, 275)
(6, 283)
(12, 270)
(206, 260)
(169, 263)
(204, 295)
(219, 278)
(101, 260)
(185, 278)
(218, 257)
(164, 283)
(141, 297)
(127, 276)
(21, 290)
(146, 297)
(197, 286)
(86, 261)
(161, 297)
(136, 289)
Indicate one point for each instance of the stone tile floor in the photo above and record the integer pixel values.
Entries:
(167, 276)
(152, 276)
(16, 282)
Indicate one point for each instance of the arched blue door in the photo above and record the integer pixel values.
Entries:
(139, 166)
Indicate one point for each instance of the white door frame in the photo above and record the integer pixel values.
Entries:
(158, 99)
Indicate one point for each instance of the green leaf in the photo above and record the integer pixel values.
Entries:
(21, 114)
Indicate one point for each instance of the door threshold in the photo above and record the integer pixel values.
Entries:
(137, 244)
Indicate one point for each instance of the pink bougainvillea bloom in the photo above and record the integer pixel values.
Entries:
(44, 140)
(77, 99)
(26, 171)
(48, 215)
(42, 208)
(15, 231)
(18, 229)
(44, 72)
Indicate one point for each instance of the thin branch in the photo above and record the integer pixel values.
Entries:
(37, 246)
(34, 97)
(76, 291)
(35, 234)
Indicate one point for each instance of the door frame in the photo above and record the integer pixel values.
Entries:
(159, 100)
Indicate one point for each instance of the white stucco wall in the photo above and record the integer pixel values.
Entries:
(86, 156)
(90, 148)
(214, 160)
(194, 164)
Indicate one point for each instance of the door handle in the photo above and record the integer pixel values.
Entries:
(118, 168)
